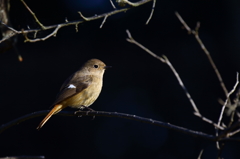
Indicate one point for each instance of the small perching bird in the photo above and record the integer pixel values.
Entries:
(80, 90)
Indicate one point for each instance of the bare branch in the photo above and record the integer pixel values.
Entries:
(164, 59)
(58, 26)
(67, 23)
(118, 115)
(108, 114)
(195, 33)
(136, 4)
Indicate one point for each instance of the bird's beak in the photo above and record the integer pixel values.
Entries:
(107, 67)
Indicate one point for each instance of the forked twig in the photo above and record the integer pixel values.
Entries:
(225, 104)
(227, 94)
(112, 4)
(54, 33)
(228, 98)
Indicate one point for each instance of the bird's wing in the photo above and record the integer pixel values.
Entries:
(72, 86)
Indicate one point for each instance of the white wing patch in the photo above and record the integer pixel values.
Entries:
(71, 86)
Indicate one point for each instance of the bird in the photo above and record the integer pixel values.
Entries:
(80, 90)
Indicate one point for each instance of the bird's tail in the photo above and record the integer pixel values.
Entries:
(55, 110)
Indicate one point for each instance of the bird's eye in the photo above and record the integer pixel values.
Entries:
(95, 66)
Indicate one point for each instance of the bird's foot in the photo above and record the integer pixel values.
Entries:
(90, 109)
(84, 107)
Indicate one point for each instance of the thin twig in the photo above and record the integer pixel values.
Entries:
(220, 150)
(195, 33)
(224, 106)
(9, 27)
(56, 27)
(208, 121)
(104, 20)
(66, 20)
(200, 154)
(112, 4)
(196, 111)
(232, 108)
(151, 14)
(164, 59)
(81, 15)
(233, 133)
(131, 40)
(136, 4)
(54, 33)
(34, 15)
(76, 27)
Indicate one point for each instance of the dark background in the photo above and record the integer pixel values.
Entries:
(137, 84)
